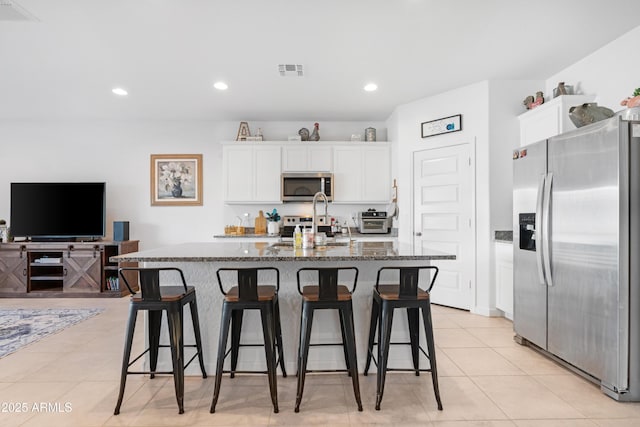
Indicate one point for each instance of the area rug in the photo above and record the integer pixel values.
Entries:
(19, 327)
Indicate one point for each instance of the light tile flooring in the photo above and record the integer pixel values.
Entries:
(485, 380)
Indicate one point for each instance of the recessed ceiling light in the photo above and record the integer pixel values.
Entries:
(220, 85)
(371, 87)
(120, 91)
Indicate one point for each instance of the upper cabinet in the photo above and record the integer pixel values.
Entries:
(361, 170)
(361, 174)
(308, 157)
(550, 118)
(251, 173)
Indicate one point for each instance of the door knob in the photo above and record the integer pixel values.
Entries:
(417, 234)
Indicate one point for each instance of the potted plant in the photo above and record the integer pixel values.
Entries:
(4, 232)
(633, 101)
(273, 226)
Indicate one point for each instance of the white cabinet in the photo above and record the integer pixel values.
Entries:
(306, 158)
(251, 173)
(550, 118)
(504, 277)
(361, 174)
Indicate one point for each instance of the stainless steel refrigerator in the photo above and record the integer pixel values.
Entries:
(576, 223)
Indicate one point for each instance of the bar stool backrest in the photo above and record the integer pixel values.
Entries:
(247, 281)
(328, 281)
(409, 280)
(149, 279)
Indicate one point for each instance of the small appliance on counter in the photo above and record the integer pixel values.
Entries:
(290, 222)
(374, 222)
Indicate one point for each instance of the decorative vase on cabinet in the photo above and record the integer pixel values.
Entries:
(549, 119)
(273, 228)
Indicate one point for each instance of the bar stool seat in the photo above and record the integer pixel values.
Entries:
(312, 293)
(390, 293)
(168, 293)
(156, 299)
(265, 293)
(405, 294)
(327, 294)
(247, 294)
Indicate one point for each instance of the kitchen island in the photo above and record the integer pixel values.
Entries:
(199, 262)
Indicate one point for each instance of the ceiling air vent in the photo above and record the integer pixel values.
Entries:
(290, 70)
(12, 11)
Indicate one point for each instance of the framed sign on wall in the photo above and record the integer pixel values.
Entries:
(440, 126)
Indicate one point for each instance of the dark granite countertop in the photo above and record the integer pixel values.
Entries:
(277, 251)
(504, 236)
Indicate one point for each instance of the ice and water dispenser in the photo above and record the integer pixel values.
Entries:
(527, 231)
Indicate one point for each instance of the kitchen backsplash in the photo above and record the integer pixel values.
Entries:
(234, 213)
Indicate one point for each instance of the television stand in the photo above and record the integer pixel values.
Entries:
(64, 269)
(53, 239)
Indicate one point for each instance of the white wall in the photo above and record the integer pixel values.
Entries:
(118, 153)
(473, 103)
(489, 123)
(505, 106)
(610, 73)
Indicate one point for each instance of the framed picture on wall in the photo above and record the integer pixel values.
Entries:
(440, 126)
(176, 179)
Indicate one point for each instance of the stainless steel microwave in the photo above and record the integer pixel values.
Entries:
(301, 186)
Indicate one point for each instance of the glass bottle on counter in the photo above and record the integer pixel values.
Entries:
(297, 237)
(307, 238)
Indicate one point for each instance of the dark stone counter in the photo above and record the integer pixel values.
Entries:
(504, 236)
(280, 251)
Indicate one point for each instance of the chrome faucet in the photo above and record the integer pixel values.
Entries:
(316, 196)
(351, 240)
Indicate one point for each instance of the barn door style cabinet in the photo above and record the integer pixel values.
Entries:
(74, 269)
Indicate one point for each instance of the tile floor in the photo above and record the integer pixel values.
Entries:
(485, 380)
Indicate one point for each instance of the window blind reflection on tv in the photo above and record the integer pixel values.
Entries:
(58, 209)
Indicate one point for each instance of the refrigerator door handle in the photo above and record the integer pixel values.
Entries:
(546, 220)
(538, 230)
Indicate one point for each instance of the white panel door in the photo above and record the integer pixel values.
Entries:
(444, 218)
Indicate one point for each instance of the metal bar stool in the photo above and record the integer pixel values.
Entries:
(246, 295)
(404, 294)
(155, 299)
(328, 294)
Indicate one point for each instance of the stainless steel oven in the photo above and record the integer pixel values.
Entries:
(301, 186)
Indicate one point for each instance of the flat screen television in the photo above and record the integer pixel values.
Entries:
(45, 211)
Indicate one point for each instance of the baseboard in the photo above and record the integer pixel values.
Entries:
(488, 312)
